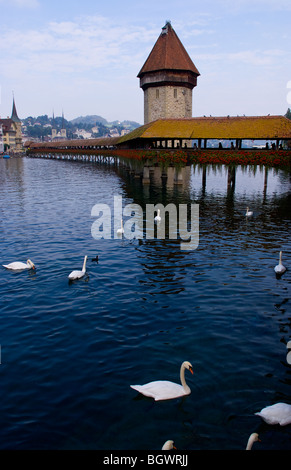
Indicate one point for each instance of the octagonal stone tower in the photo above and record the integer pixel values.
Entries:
(167, 78)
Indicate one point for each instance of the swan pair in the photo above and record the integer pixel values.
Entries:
(120, 230)
(18, 265)
(254, 437)
(280, 413)
(164, 389)
(78, 274)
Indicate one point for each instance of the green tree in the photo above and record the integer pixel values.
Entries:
(288, 114)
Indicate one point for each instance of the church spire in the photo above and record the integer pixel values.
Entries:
(14, 115)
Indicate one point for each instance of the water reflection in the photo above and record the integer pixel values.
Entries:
(214, 178)
(72, 351)
(232, 189)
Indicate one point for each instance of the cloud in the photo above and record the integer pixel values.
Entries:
(95, 43)
(252, 5)
(95, 59)
(22, 3)
(88, 43)
(249, 57)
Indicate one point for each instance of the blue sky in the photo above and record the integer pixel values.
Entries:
(82, 57)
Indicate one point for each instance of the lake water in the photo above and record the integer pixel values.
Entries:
(69, 352)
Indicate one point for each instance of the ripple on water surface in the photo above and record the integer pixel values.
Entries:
(69, 351)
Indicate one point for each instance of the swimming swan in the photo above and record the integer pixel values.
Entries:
(19, 265)
(253, 438)
(78, 274)
(280, 413)
(169, 445)
(289, 352)
(158, 217)
(248, 212)
(120, 230)
(165, 390)
(280, 269)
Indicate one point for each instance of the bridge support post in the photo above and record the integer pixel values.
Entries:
(178, 177)
(164, 177)
(146, 175)
(231, 178)
(238, 144)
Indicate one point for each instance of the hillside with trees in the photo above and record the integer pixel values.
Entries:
(92, 126)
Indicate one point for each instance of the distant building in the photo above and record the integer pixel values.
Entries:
(12, 132)
(61, 134)
(167, 78)
(83, 134)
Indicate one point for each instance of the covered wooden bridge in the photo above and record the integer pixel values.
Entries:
(169, 133)
(182, 133)
(104, 143)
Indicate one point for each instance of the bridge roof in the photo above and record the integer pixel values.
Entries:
(240, 127)
(73, 143)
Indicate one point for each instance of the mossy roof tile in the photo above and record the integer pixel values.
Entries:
(240, 127)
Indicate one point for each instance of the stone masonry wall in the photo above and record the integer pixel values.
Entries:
(167, 102)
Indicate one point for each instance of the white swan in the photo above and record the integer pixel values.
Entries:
(289, 353)
(254, 437)
(248, 212)
(120, 230)
(158, 217)
(16, 265)
(78, 274)
(280, 413)
(280, 269)
(169, 445)
(165, 390)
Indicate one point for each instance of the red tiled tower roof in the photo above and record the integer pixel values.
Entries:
(168, 53)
